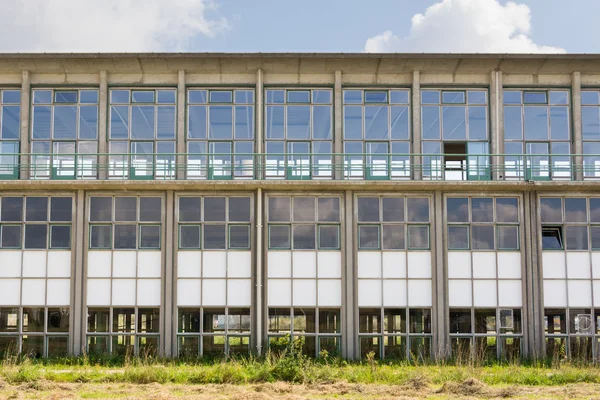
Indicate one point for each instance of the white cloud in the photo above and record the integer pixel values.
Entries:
(105, 25)
(465, 26)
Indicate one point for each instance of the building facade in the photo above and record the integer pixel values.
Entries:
(413, 206)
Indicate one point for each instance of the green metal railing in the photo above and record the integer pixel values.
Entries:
(478, 167)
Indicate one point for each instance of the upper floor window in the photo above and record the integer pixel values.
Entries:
(220, 133)
(142, 133)
(590, 122)
(377, 124)
(537, 124)
(10, 117)
(455, 124)
(299, 123)
(64, 133)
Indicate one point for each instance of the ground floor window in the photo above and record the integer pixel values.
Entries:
(34, 331)
(213, 332)
(123, 331)
(572, 333)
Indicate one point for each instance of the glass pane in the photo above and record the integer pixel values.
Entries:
(551, 210)
(275, 96)
(100, 236)
(329, 321)
(454, 123)
(430, 96)
(375, 96)
(559, 123)
(393, 209)
(508, 238)
(353, 96)
(149, 237)
(220, 124)
(418, 237)
(453, 97)
(197, 122)
(244, 96)
(482, 209)
(393, 237)
(150, 209)
(536, 123)
(88, 122)
(119, 122)
(419, 320)
(552, 238)
(322, 123)
(458, 237)
(279, 237)
(33, 319)
(575, 209)
(98, 320)
(507, 209)
(400, 122)
(304, 209)
(41, 122)
(298, 96)
(42, 96)
(513, 123)
(11, 236)
(239, 237)
(9, 320)
(399, 96)
(58, 319)
(589, 98)
(65, 122)
(460, 321)
(125, 209)
(189, 236)
(482, 237)
(215, 237)
(279, 209)
(329, 237)
(166, 96)
(478, 124)
(189, 209)
(60, 237)
(430, 122)
(11, 96)
(576, 237)
(559, 97)
(244, 122)
(35, 236)
(119, 96)
(376, 122)
(298, 122)
(369, 320)
(165, 125)
(214, 209)
(594, 209)
(304, 237)
(36, 209)
(368, 237)
(329, 209)
(125, 237)
(275, 122)
(512, 97)
(457, 209)
(304, 320)
(142, 96)
(353, 123)
(535, 98)
(418, 209)
(142, 122)
(11, 122)
(239, 209)
(12, 209)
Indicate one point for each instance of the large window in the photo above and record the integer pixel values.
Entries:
(64, 134)
(590, 122)
(299, 123)
(377, 134)
(454, 124)
(537, 134)
(10, 123)
(220, 134)
(142, 134)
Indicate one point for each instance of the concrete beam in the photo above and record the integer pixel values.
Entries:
(338, 138)
(181, 104)
(577, 129)
(416, 125)
(24, 123)
(103, 125)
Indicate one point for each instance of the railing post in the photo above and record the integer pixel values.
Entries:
(180, 160)
(577, 131)
(103, 126)
(260, 162)
(338, 139)
(416, 161)
(24, 125)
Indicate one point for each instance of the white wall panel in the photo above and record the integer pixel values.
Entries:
(10, 264)
(124, 264)
(279, 264)
(34, 264)
(420, 293)
(214, 264)
(99, 264)
(369, 264)
(580, 293)
(578, 265)
(148, 292)
(279, 293)
(553, 263)
(59, 292)
(123, 292)
(394, 293)
(510, 293)
(33, 292)
(189, 292)
(329, 264)
(596, 265)
(555, 293)
(304, 292)
(459, 264)
(369, 293)
(419, 264)
(596, 288)
(98, 292)
(189, 264)
(484, 264)
(394, 264)
(239, 292)
(149, 264)
(10, 292)
(214, 292)
(460, 293)
(239, 264)
(484, 293)
(329, 292)
(304, 264)
(59, 264)
(509, 265)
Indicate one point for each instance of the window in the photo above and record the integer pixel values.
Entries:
(455, 124)
(10, 136)
(125, 222)
(214, 223)
(319, 329)
(590, 122)
(304, 223)
(298, 123)
(377, 133)
(220, 134)
(141, 139)
(123, 331)
(64, 134)
(537, 134)
(570, 333)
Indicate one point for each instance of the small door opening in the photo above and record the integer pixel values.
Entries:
(455, 161)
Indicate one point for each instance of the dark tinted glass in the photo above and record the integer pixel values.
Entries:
(61, 209)
(189, 236)
(149, 237)
(150, 209)
(239, 209)
(508, 237)
(482, 237)
(214, 237)
(551, 210)
(418, 209)
(368, 209)
(100, 236)
(125, 209)
(458, 209)
(12, 209)
(460, 321)
(36, 209)
(368, 237)
(552, 238)
(304, 237)
(101, 209)
(239, 237)
(418, 237)
(329, 237)
(393, 209)
(577, 237)
(575, 209)
(214, 209)
(304, 209)
(11, 236)
(60, 237)
(125, 237)
(189, 209)
(507, 209)
(279, 237)
(329, 209)
(482, 210)
(393, 237)
(35, 236)
(458, 237)
(595, 209)
(279, 209)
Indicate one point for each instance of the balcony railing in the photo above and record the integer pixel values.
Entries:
(160, 166)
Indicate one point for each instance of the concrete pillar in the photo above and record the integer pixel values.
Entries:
(181, 104)
(78, 312)
(259, 311)
(338, 133)
(577, 131)
(439, 282)
(170, 315)
(350, 308)
(259, 128)
(534, 327)
(497, 125)
(416, 126)
(25, 106)
(103, 126)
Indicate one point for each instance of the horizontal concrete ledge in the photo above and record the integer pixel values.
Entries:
(312, 185)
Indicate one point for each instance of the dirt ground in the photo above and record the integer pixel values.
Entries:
(470, 389)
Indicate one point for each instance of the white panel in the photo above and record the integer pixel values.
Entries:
(369, 293)
(33, 292)
(509, 265)
(329, 264)
(59, 264)
(123, 292)
(553, 263)
(304, 264)
(394, 264)
(484, 293)
(460, 293)
(148, 292)
(484, 264)
(304, 292)
(189, 264)
(188, 292)
(239, 264)
(98, 292)
(369, 264)
(239, 292)
(555, 293)
(10, 292)
(578, 265)
(124, 264)
(213, 292)
(596, 264)
(279, 292)
(329, 293)
(34, 264)
(99, 264)
(149, 264)
(580, 293)
(419, 264)
(394, 293)
(459, 264)
(419, 293)
(596, 293)
(279, 264)
(214, 264)
(510, 293)
(11, 264)
(59, 292)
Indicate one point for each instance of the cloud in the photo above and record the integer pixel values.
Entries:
(465, 26)
(105, 25)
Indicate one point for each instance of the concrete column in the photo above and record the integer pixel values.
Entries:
(577, 132)
(350, 305)
(25, 106)
(170, 316)
(440, 283)
(181, 150)
(259, 308)
(534, 330)
(259, 128)
(497, 125)
(78, 301)
(338, 134)
(416, 126)
(103, 126)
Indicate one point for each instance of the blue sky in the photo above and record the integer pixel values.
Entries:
(526, 26)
